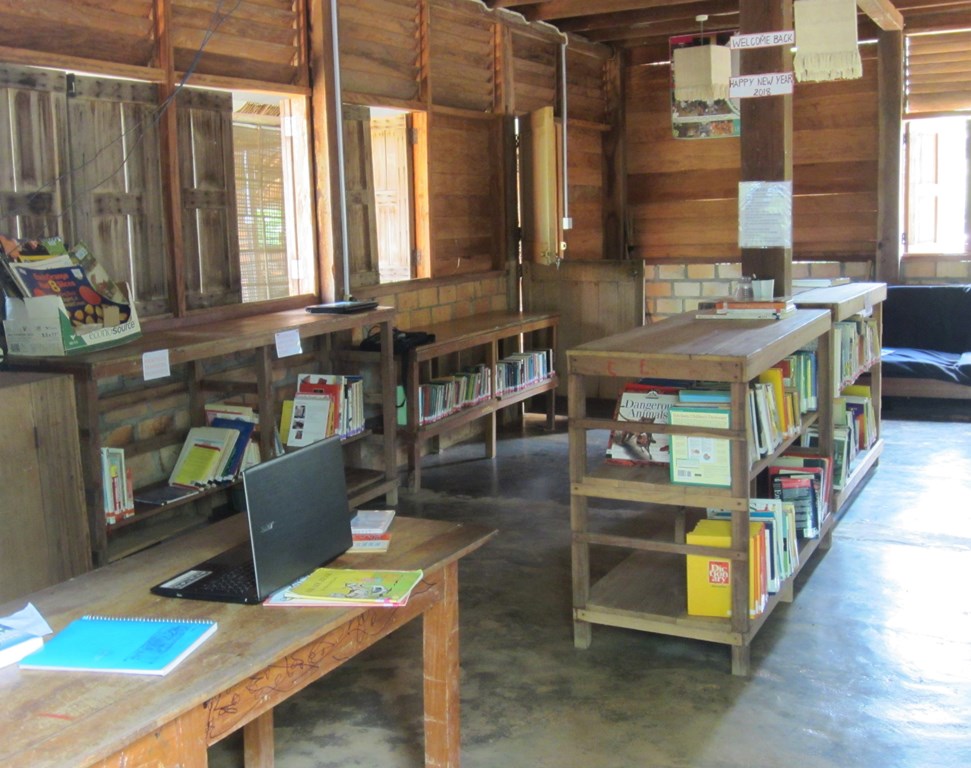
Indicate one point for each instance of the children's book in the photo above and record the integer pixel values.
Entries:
(646, 404)
(343, 586)
(134, 646)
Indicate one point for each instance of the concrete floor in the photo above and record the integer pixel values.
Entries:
(869, 666)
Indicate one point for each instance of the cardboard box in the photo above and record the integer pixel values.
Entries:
(40, 327)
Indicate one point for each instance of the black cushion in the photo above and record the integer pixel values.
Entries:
(928, 317)
(910, 363)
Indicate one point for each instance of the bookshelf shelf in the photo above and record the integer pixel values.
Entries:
(479, 339)
(647, 590)
(254, 341)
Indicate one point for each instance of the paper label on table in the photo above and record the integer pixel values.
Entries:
(754, 86)
(155, 365)
(288, 343)
(765, 214)
(763, 39)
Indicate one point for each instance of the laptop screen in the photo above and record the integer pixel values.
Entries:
(298, 513)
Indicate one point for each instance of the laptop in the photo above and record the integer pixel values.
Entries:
(343, 307)
(299, 519)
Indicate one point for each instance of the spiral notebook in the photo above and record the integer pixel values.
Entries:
(129, 645)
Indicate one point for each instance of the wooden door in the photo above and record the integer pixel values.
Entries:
(390, 150)
(594, 299)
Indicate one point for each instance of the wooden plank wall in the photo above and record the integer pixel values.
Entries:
(534, 64)
(119, 32)
(466, 204)
(463, 54)
(259, 41)
(683, 193)
(380, 49)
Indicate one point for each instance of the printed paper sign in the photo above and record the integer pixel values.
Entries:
(288, 343)
(765, 214)
(763, 39)
(754, 86)
(155, 365)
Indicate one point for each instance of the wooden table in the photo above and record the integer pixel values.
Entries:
(257, 658)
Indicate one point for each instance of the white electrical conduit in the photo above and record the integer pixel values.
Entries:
(567, 222)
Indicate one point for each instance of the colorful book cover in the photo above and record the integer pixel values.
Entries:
(701, 459)
(342, 586)
(710, 576)
(646, 404)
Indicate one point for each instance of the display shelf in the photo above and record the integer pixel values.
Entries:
(254, 336)
(480, 338)
(647, 590)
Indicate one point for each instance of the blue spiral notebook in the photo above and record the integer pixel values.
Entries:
(128, 645)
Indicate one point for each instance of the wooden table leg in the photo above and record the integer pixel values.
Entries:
(441, 670)
(178, 744)
(258, 742)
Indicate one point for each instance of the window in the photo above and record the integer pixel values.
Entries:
(937, 186)
(84, 162)
(269, 225)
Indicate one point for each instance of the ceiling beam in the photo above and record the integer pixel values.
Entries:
(883, 12)
(686, 13)
(565, 9)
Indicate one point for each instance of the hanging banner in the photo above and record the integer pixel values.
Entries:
(763, 40)
(756, 86)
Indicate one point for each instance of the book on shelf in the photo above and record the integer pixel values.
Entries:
(203, 456)
(800, 490)
(226, 410)
(116, 485)
(372, 521)
(17, 643)
(701, 459)
(238, 450)
(709, 577)
(644, 403)
(345, 587)
(129, 645)
(160, 495)
(818, 282)
(322, 406)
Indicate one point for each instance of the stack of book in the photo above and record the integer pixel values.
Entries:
(732, 309)
(344, 587)
(369, 530)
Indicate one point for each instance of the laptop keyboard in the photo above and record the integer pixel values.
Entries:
(238, 580)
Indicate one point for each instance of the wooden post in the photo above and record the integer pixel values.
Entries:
(325, 126)
(766, 141)
(615, 161)
(891, 94)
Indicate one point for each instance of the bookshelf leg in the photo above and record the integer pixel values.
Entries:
(787, 594)
(740, 660)
(827, 541)
(258, 742)
(582, 635)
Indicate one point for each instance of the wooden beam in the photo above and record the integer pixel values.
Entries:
(891, 97)
(883, 12)
(565, 9)
(766, 140)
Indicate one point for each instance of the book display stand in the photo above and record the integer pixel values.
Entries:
(647, 590)
(255, 341)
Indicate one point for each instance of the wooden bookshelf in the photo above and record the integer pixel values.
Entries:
(844, 302)
(479, 338)
(647, 590)
(254, 339)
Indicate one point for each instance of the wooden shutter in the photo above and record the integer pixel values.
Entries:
(33, 153)
(462, 49)
(209, 226)
(362, 238)
(938, 76)
(116, 184)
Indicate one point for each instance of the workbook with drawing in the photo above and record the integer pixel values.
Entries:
(130, 645)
